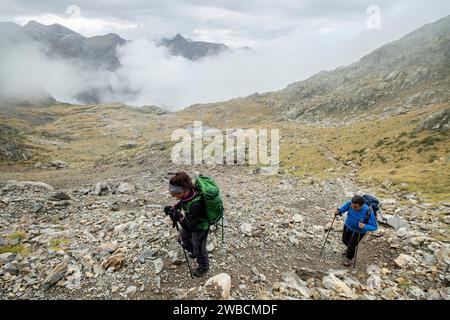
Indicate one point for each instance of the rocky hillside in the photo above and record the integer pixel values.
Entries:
(411, 72)
(110, 239)
(403, 75)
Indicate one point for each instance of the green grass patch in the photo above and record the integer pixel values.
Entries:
(18, 235)
(430, 140)
(59, 244)
(19, 248)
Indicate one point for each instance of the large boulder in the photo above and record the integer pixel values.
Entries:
(294, 282)
(115, 261)
(404, 261)
(395, 222)
(246, 228)
(334, 283)
(437, 121)
(102, 188)
(222, 281)
(126, 188)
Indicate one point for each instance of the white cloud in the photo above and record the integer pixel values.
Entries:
(291, 40)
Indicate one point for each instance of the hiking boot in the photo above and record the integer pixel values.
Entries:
(347, 262)
(200, 272)
(194, 265)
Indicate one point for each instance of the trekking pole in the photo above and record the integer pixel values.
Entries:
(222, 229)
(326, 238)
(185, 254)
(356, 251)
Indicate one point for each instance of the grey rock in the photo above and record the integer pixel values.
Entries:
(7, 257)
(131, 290)
(395, 222)
(29, 184)
(37, 207)
(385, 202)
(437, 121)
(429, 259)
(402, 233)
(404, 260)
(333, 283)
(12, 267)
(374, 282)
(373, 270)
(417, 293)
(246, 228)
(297, 218)
(54, 276)
(102, 188)
(60, 196)
(148, 254)
(294, 282)
(158, 265)
(126, 188)
(58, 164)
(153, 206)
(98, 269)
(128, 145)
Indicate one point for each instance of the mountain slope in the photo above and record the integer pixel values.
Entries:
(98, 51)
(407, 73)
(403, 75)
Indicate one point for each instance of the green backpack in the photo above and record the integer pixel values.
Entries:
(210, 194)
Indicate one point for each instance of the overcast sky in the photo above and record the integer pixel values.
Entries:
(295, 38)
(233, 22)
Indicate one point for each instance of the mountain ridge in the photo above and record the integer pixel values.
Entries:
(404, 74)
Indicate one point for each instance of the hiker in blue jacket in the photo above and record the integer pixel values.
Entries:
(360, 220)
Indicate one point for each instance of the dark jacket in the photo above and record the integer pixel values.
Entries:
(194, 212)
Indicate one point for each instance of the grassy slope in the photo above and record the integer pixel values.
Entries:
(381, 150)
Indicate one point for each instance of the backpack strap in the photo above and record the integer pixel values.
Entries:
(368, 214)
(186, 205)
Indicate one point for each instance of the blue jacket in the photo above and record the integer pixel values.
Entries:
(355, 217)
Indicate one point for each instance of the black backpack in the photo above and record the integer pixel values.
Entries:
(373, 203)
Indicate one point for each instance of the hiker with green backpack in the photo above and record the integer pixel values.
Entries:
(202, 206)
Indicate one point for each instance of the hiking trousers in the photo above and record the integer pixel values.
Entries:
(350, 239)
(195, 243)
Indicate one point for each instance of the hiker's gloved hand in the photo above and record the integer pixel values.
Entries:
(361, 225)
(176, 215)
(338, 212)
(168, 209)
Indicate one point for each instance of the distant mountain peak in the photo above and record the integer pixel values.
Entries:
(178, 37)
(55, 28)
(190, 49)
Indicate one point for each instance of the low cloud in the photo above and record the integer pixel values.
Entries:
(285, 49)
(26, 70)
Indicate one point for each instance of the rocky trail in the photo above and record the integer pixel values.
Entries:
(110, 239)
